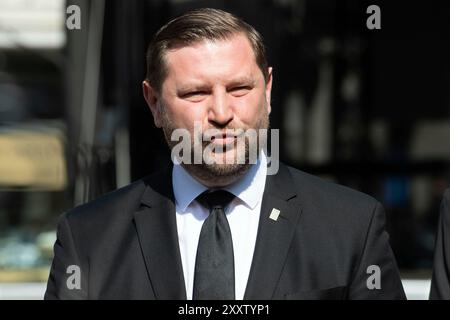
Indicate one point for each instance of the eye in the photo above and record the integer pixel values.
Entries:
(240, 90)
(193, 94)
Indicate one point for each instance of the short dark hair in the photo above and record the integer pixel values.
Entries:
(195, 26)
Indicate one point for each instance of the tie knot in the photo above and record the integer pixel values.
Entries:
(219, 198)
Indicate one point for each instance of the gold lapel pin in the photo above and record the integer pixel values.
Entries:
(274, 214)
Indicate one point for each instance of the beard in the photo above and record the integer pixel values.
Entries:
(220, 173)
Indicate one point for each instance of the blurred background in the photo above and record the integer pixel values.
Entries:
(369, 109)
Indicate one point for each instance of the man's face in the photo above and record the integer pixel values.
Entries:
(218, 85)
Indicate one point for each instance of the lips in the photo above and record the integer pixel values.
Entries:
(225, 139)
(223, 136)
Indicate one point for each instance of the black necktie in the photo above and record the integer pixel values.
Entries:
(214, 264)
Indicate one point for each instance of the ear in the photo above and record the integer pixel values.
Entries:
(153, 101)
(269, 89)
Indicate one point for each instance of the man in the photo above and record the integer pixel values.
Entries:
(216, 229)
(440, 283)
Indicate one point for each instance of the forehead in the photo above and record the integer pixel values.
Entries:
(212, 60)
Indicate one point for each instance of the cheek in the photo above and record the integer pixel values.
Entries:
(249, 107)
(185, 114)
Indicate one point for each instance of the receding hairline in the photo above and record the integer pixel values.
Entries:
(202, 41)
(199, 42)
(199, 26)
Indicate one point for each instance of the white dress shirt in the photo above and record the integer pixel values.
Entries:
(242, 214)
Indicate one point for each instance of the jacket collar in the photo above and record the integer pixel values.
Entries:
(275, 234)
(157, 231)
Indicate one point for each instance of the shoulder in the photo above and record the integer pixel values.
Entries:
(121, 200)
(447, 196)
(331, 201)
(317, 187)
(445, 207)
(118, 204)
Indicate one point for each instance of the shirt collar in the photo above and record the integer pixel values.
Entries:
(249, 188)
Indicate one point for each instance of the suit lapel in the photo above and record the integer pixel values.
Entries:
(157, 232)
(274, 237)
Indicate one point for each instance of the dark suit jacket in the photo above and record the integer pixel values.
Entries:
(440, 283)
(325, 238)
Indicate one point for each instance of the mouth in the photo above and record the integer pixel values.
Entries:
(223, 139)
(218, 135)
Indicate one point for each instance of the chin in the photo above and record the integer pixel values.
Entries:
(218, 175)
(224, 170)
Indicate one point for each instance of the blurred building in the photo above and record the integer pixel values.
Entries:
(369, 109)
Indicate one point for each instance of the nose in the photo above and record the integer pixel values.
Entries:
(220, 112)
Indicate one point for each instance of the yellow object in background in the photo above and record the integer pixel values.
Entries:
(24, 275)
(32, 159)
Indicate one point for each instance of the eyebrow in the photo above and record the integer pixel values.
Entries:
(242, 80)
(184, 88)
(192, 87)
